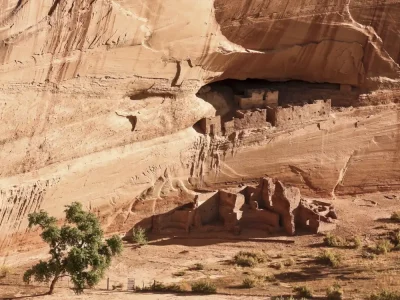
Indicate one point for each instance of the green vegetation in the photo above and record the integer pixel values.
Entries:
(77, 249)
(329, 258)
(161, 288)
(334, 292)
(382, 247)
(385, 295)
(249, 282)
(303, 292)
(139, 236)
(395, 216)
(204, 287)
(356, 242)
(248, 259)
(332, 240)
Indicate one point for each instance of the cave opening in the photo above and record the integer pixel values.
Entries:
(223, 95)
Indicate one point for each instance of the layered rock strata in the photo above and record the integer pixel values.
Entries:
(98, 99)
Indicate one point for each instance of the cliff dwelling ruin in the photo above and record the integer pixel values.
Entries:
(270, 207)
(258, 104)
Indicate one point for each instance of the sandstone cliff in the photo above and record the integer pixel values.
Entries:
(98, 98)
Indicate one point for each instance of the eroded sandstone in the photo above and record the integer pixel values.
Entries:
(98, 100)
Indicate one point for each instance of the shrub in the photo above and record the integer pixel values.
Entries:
(385, 295)
(271, 278)
(139, 236)
(395, 237)
(179, 273)
(161, 288)
(197, 267)
(4, 271)
(303, 292)
(356, 242)
(331, 240)
(204, 287)
(248, 259)
(381, 247)
(334, 292)
(249, 283)
(395, 216)
(329, 258)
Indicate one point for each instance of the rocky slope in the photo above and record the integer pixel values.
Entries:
(98, 98)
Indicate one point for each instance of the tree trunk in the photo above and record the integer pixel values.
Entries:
(53, 284)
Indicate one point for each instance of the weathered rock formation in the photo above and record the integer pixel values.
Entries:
(98, 99)
(270, 206)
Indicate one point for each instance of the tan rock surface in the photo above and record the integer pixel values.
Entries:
(97, 99)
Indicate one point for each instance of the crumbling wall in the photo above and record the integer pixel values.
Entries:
(211, 126)
(230, 208)
(246, 119)
(178, 219)
(293, 115)
(271, 206)
(257, 98)
(207, 208)
(315, 217)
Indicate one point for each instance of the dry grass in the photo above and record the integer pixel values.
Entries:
(5, 271)
(381, 247)
(303, 292)
(395, 216)
(204, 287)
(329, 258)
(334, 292)
(248, 259)
(249, 282)
(385, 295)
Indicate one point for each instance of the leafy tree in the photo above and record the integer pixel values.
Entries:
(77, 249)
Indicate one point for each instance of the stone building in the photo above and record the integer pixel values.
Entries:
(292, 115)
(270, 206)
(246, 119)
(211, 126)
(257, 98)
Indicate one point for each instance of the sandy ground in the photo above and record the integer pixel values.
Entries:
(290, 261)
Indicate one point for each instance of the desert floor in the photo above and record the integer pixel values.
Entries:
(289, 261)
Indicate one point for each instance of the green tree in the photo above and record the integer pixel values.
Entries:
(77, 249)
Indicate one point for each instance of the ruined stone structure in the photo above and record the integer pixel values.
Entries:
(271, 206)
(292, 115)
(257, 98)
(211, 126)
(279, 116)
(246, 119)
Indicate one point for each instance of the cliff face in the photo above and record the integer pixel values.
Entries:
(98, 98)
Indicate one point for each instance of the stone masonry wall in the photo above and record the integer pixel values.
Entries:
(292, 115)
